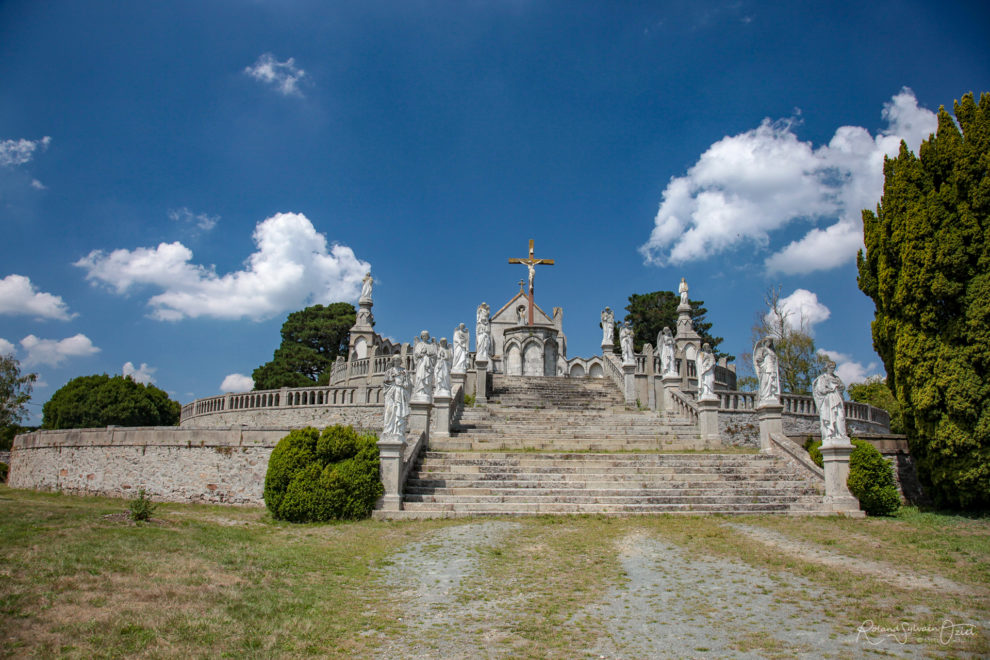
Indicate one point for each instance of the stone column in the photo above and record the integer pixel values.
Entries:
(390, 452)
(670, 383)
(651, 391)
(769, 415)
(708, 422)
(419, 417)
(838, 499)
(481, 390)
(629, 376)
(441, 415)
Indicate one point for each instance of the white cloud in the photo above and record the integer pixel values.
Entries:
(18, 152)
(18, 296)
(203, 221)
(283, 76)
(237, 383)
(747, 186)
(141, 374)
(38, 185)
(53, 352)
(291, 268)
(800, 310)
(848, 369)
(6, 348)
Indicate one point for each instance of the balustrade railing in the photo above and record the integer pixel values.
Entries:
(797, 404)
(284, 398)
(613, 370)
(685, 406)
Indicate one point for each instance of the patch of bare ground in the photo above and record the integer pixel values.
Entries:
(899, 576)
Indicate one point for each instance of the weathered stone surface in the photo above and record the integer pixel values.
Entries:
(364, 416)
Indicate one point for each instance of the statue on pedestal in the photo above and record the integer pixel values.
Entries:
(705, 366)
(668, 366)
(626, 342)
(483, 334)
(765, 365)
(397, 391)
(425, 355)
(366, 286)
(683, 290)
(441, 372)
(521, 315)
(608, 327)
(827, 390)
(462, 346)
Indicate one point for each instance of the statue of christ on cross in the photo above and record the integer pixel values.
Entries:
(531, 263)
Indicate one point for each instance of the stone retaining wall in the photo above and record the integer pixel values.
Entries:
(170, 463)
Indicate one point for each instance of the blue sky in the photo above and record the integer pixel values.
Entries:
(175, 178)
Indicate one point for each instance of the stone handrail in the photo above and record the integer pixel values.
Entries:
(284, 398)
(798, 455)
(613, 370)
(685, 406)
(798, 404)
(412, 451)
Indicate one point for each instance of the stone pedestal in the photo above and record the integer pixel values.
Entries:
(838, 499)
(419, 417)
(769, 415)
(458, 381)
(708, 423)
(670, 383)
(390, 452)
(481, 388)
(629, 382)
(441, 415)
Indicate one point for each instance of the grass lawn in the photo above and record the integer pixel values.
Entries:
(78, 579)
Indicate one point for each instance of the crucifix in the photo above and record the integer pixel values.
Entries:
(531, 263)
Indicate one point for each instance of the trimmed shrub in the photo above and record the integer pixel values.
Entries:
(315, 476)
(141, 507)
(871, 477)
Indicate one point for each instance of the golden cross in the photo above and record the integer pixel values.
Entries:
(531, 263)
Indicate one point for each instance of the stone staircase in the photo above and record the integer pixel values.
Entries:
(570, 446)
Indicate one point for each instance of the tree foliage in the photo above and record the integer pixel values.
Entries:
(15, 391)
(651, 312)
(312, 339)
(875, 392)
(315, 476)
(927, 269)
(871, 477)
(102, 400)
(798, 359)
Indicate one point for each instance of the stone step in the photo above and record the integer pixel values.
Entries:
(536, 508)
(758, 489)
(666, 459)
(611, 500)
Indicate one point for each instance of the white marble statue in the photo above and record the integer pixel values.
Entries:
(462, 345)
(683, 290)
(608, 327)
(626, 342)
(441, 370)
(668, 365)
(827, 390)
(398, 389)
(366, 285)
(483, 334)
(767, 371)
(704, 364)
(425, 355)
(521, 315)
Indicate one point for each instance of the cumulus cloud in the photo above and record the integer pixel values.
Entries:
(202, 221)
(746, 187)
(53, 352)
(19, 296)
(6, 348)
(142, 374)
(799, 311)
(291, 268)
(848, 369)
(237, 383)
(38, 185)
(283, 76)
(18, 152)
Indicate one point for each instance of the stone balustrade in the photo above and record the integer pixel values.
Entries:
(201, 410)
(797, 404)
(684, 406)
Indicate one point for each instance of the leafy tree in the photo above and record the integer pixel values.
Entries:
(15, 392)
(651, 312)
(927, 269)
(312, 339)
(102, 400)
(875, 392)
(798, 359)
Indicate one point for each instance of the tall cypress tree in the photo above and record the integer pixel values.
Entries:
(927, 269)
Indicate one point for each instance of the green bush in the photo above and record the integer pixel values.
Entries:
(871, 477)
(102, 400)
(141, 507)
(315, 476)
(4, 469)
